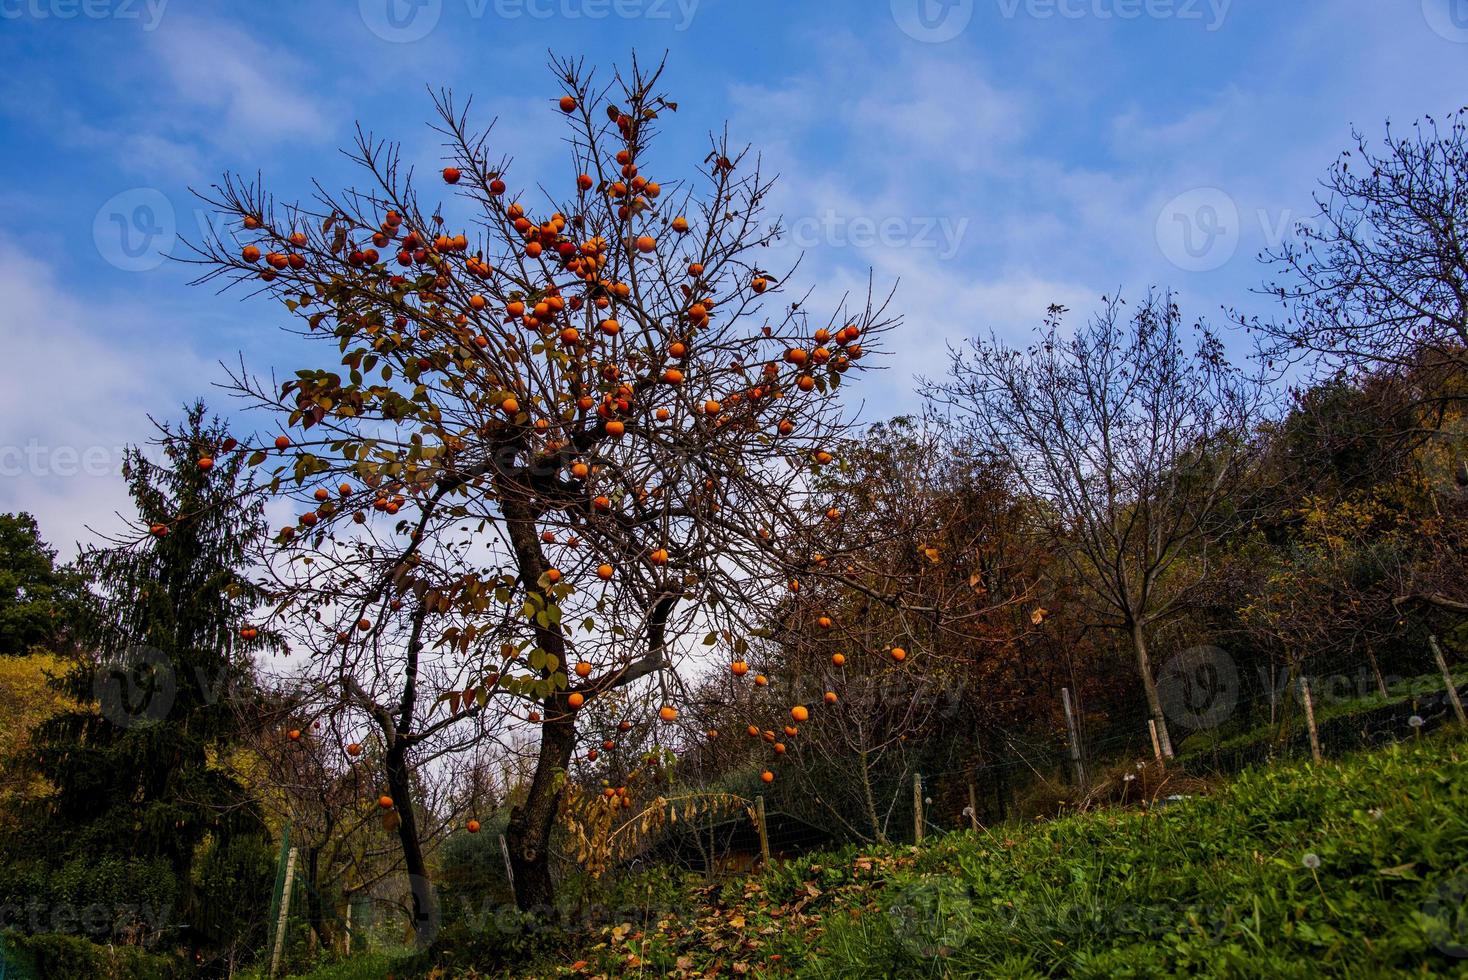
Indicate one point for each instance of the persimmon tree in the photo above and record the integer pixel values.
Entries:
(937, 570)
(564, 433)
(327, 798)
(881, 661)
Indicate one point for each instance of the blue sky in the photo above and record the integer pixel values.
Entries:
(992, 156)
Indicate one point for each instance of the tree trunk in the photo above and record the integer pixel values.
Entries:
(1149, 685)
(425, 906)
(870, 798)
(531, 822)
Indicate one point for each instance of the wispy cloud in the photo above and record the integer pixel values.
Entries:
(250, 91)
(81, 379)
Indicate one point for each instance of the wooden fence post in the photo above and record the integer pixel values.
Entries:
(1156, 743)
(764, 834)
(973, 805)
(285, 911)
(1442, 665)
(1310, 718)
(917, 808)
(1078, 769)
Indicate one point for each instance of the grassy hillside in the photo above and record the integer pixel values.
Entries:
(1358, 868)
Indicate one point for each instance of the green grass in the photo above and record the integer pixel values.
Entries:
(365, 966)
(1216, 886)
(1356, 868)
(1338, 718)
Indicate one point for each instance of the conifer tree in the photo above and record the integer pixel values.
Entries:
(138, 794)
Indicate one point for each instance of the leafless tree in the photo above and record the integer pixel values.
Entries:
(1378, 278)
(1130, 444)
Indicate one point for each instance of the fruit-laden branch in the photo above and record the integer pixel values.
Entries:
(604, 412)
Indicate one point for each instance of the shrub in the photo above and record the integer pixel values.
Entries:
(50, 955)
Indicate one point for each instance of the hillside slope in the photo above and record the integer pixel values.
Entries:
(1358, 868)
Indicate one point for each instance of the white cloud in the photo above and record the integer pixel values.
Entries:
(242, 92)
(926, 182)
(79, 379)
